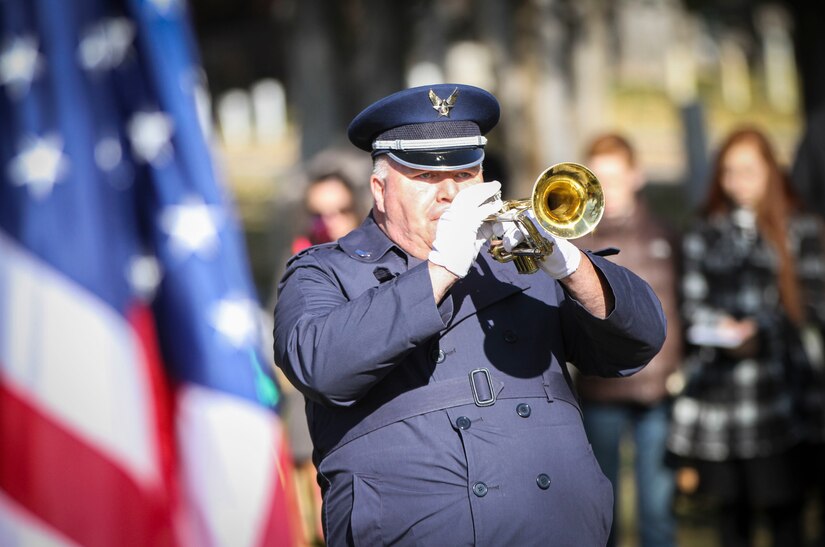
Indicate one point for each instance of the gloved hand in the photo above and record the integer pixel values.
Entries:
(461, 230)
(563, 261)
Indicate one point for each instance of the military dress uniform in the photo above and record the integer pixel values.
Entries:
(452, 423)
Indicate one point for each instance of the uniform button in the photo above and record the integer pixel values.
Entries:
(438, 356)
(543, 480)
(480, 489)
(510, 337)
(523, 410)
(463, 422)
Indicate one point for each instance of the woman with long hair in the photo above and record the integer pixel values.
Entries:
(735, 426)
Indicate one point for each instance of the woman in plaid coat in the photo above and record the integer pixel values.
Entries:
(746, 262)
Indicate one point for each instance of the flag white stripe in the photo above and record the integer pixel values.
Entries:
(76, 359)
(230, 453)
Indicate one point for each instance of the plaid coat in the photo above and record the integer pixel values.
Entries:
(745, 407)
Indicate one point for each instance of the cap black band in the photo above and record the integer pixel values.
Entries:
(440, 160)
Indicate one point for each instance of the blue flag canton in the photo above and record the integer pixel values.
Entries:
(106, 176)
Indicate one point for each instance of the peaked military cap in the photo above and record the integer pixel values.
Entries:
(434, 127)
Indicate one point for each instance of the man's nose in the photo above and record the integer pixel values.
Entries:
(448, 188)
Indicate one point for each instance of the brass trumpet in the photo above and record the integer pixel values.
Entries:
(567, 201)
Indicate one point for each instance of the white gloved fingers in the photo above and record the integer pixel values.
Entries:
(486, 231)
(498, 229)
(459, 235)
(473, 196)
(512, 236)
(563, 261)
(489, 209)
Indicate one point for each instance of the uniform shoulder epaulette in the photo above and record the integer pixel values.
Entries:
(311, 250)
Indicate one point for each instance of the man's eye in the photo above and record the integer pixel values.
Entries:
(426, 175)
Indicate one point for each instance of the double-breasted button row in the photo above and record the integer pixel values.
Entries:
(542, 480)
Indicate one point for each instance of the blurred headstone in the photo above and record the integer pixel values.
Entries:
(470, 63)
(269, 107)
(778, 59)
(734, 74)
(424, 73)
(235, 118)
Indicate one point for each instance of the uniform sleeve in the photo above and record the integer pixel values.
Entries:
(334, 349)
(624, 341)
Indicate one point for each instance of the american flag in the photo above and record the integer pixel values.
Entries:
(135, 408)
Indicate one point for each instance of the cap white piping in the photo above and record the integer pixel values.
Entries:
(430, 144)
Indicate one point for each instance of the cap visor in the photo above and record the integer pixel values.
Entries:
(441, 160)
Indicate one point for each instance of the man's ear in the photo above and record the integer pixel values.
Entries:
(377, 187)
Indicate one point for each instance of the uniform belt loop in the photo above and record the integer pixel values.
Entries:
(480, 391)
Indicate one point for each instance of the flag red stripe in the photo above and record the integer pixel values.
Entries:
(73, 487)
(143, 324)
(283, 524)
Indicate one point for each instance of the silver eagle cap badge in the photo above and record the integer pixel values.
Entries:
(443, 106)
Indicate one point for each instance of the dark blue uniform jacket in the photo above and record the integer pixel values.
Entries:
(453, 424)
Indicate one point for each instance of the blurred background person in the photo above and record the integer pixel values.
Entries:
(331, 208)
(331, 211)
(636, 406)
(734, 428)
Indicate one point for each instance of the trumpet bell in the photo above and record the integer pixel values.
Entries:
(567, 200)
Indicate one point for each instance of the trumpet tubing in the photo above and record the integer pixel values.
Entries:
(567, 201)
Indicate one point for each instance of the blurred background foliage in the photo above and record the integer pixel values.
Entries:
(286, 77)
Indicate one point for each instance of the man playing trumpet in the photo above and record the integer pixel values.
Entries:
(437, 391)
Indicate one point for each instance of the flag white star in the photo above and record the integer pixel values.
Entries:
(236, 319)
(20, 63)
(108, 153)
(164, 7)
(105, 45)
(150, 134)
(144, 274)
(40, 165)
(192, 227)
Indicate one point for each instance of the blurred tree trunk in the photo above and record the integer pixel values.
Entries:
(809, 42)
(590, 72)
(374, 53)
(510, 142)
(555, 135)
(313, 82)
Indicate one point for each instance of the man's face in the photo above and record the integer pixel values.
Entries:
(409, 202)
(745, 175)
(332, 203)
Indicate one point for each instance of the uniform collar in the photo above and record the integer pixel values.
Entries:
(368, 242)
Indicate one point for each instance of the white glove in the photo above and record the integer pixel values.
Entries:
(563, 261)
(461, 230)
